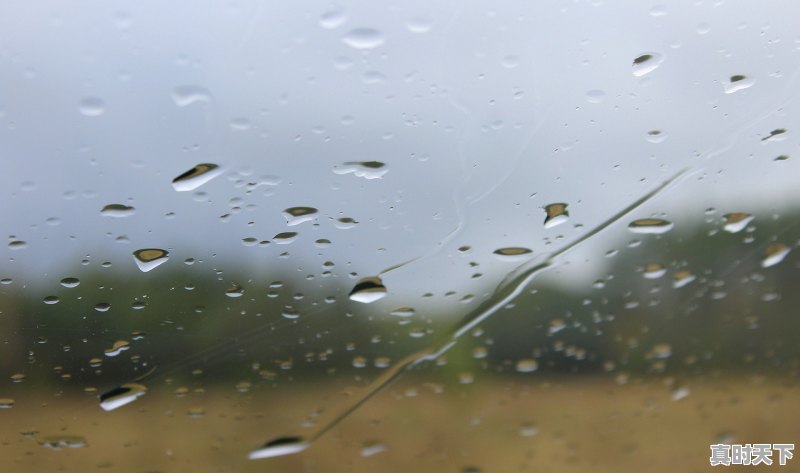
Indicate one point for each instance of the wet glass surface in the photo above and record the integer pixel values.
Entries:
(400, 236)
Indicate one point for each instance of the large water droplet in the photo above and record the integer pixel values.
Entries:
(196, 177)
(298, 215)
(363, 38)
(365, 169)
(150, 258)
(92, 107)
(737, 221)
(368, 290)
(278, 447)
(737, 83)
(778, 134)
(185, 95)
(122, 395)
(650, 225)
(556, 215)
(117, 210)
(775, 254)
(646, 63)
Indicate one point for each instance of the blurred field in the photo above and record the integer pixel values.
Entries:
(514, 423)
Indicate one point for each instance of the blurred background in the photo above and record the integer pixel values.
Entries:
(644, 153)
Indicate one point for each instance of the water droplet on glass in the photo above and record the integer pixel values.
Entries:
(661, 351)
(332, 19)
(774, 254)
(284, 238)
(656, 136)
(527, 365)
(372, 448)
(658, 10)
(365, 169)
(650, 225)
(737, 221)
(196, 177)
(595, 96)
(779, 134)
(102, 307)
(513, 253)
(738, 82)
(556, 215)
(419, 24)
(57, 442)
(118, 347)
(363, 38)
(117, 210)
(50, 300)
(298, 215)
(680, 392)
(403, 312)
(682, 278)
(186, 95)
(368, 290)
(17, 245)
(646, 63)
(234, 291)
(6, 403)
(122, 395)
(654, 270)
(92, 107)
(150, 258)
(278, 447)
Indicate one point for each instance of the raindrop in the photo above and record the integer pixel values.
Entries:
(661, 351)
(556, 215)
(512, 252)
(17, 245)
(102, 307)
(403, 312)
(298, 215)
(365, 169)
(322, 243)
(91, 107)
(680, 392)
(372, 448)
(196, 177)
(17, 377)
(332, 19)
(650, 225)
(368, 290)
(186, 95)
(150, 258)
(656, 136)
(363, 38)
(779, 134)
(57, 442)
(278, 447)
(50, 300)
(122, 395)
(595, 96)
(737, 221)
(737, 83)
(658, 10)
(646, 63)
(234, 291)
(117, 210)
(775, 254)
(284, 238)
(682, 278)
(419, 24)
(345, 223)
(527, 365)
(118, 347)
(6, 403)
(654, 270)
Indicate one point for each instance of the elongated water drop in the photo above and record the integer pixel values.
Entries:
(117, 210)
(363, 38)
(365, 169)
(298, 215)
(778, 134)
(736, 221)
(57, 442)
(775, 254)
(650, 225)
(196, 177)
(150, 258)
(646, 63)
(556, 215)
(682, 278)
(278, 447)
(738, 82)
(654, 270)
(92, 107)
(513, 253)
(122, 395)
(185, 95)
(368, 290)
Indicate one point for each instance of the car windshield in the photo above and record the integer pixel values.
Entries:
(398, 236)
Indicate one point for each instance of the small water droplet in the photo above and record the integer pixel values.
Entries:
(738, 82)
(646, 63)
(372, 448)
(737, 221)
(150, 258)
(91, 107)
(403, 312)
(658, 10)
(234, 291)
(298, 215)
(284, 238)
(513, 252)
(527, 365)
(102, 307)
(118, 347)
(117, 210)
(363, 38)
(50, 300)
(57, 442)
(650, 225)
(196, 177)
(595, 96)
(367, 290)
(682, 278)
(778, 134)
(122, 395)
(774, 254)
(186, 95)
(656, 136)
(17, 245)
(556, 215)
(278, 447)
(365, 169)
(6, 403)
(419, 24)
(332, 19)
(654, 270)
(680, 392)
